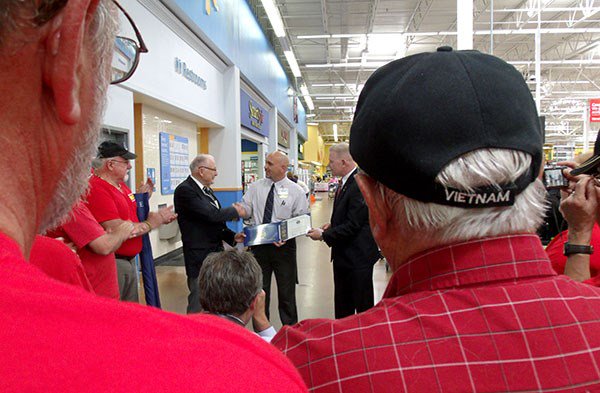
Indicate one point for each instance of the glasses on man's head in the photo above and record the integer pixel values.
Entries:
(126, 54)
(209, 168)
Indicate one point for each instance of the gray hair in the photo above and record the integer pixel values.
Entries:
(198, 161)
(342, 149)
(229, 281)
(74, 180)
(485, 167)
(98, 163)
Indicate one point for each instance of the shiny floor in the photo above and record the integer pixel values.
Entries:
(314, 292)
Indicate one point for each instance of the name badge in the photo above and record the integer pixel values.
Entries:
(282, 193)
(132, 197)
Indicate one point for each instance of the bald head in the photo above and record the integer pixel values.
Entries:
(276, 166)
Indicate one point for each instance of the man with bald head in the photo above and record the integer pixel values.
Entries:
(277, 198)
(55, 68)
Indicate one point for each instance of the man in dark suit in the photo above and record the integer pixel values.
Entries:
(353, 250)
(202, 222)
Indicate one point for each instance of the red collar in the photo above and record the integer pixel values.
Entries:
(470, 263)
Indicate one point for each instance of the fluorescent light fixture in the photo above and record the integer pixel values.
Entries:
(306, 95)
(336, 107)
(369, 64)
(291, 59)
(328, 84)
(309, 103)
(310, 115)
(312, 124)
(335, 134)
(274, 17)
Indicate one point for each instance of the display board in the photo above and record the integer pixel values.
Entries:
(174, 161)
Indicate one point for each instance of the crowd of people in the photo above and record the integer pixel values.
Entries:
(441, 175)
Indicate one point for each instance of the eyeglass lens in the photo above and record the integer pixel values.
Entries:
(125, 57)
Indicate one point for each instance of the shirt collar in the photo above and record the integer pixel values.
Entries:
(198, 183)
(280, 182)
(347, 176)
(474, 262)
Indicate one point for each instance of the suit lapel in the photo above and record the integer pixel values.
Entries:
(349, 182)
(201, 193)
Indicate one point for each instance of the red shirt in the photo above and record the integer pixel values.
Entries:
(101, 270)
(555, 253)
(483, 315)
(57, 338)
(107, 202)
(58, 261)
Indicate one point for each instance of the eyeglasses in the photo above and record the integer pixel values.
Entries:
(209, 168)
(121, 162)
(126, 54)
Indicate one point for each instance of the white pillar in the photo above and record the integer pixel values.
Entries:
(586, 128)
(294, 148)
(464, 24)
(226, 144)
(273, 113)
(538, 55)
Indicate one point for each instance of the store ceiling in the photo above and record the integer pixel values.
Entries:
(374, 32)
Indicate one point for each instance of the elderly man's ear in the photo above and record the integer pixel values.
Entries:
(65, 37)
(378, 209)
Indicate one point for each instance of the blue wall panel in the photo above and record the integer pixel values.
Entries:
(226, 199)
(235, 31)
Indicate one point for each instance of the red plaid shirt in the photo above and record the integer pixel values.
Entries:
(479, 316)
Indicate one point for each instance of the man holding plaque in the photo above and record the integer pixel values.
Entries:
(270, 200)
(353, 250)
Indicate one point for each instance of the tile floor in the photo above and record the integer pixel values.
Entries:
(315, 291)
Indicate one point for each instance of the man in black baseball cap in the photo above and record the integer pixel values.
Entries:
(108, 149)
(450, 147)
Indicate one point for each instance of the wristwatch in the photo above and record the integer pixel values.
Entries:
(570, 249)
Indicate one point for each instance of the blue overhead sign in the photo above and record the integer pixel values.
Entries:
(253, 116)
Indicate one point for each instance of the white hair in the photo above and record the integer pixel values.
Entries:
(199, 160)
(486, 167)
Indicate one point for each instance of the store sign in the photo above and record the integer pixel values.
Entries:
(207, 6)
(182, 69)
(283, 137)
(595, 110)
(253, 116)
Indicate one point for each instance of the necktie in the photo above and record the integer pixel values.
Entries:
(339, 189)
(211, 195)
(269, 206)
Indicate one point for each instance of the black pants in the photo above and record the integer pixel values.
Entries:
(282, 262)
(353, 290)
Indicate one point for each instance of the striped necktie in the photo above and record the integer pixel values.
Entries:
(268, 213)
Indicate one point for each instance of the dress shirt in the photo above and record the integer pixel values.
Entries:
(202, 187)
(482, 315)
(347, 176)
(289, 200)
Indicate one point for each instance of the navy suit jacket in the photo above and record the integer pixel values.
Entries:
(202, 224)
(350, 238)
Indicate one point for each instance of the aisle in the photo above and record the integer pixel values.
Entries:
(314, 292)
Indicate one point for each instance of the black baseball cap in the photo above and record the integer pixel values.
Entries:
(417, 114)
(110, 149)
(591, 166)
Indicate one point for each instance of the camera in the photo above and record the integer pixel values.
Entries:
(554, 178)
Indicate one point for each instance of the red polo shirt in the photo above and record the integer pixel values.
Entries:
(101, 270)
(483, 315)
(107, 202)
(555, 253)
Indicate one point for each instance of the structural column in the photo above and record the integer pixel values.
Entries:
(464, 24)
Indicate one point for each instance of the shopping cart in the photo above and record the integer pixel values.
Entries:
(332, 188)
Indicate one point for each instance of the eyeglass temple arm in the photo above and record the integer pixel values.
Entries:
(143, 48)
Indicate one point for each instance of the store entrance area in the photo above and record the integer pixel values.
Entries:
(314, 292)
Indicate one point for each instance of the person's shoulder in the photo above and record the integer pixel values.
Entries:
(202, 350)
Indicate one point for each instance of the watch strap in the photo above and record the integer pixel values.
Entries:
(570, 249)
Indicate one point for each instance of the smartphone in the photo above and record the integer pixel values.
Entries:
(554, 178)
